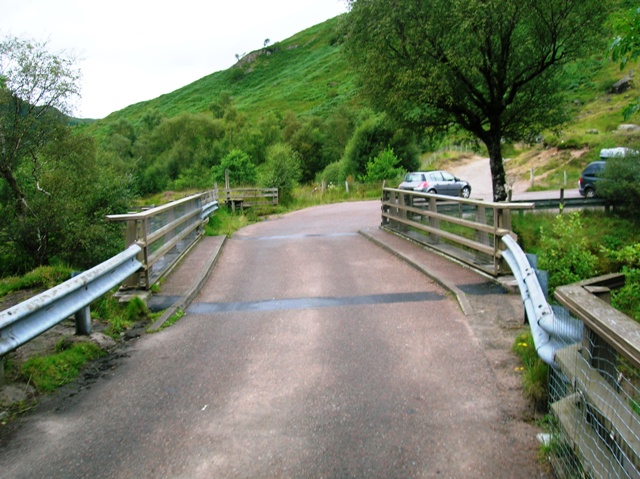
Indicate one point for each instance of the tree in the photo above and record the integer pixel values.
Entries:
(372, 137)
(281, 170)
(489, 67)
(36, 88)
(384, 167)
(625, 48)
(242, 171)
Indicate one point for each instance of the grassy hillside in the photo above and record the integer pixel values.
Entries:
(596, 122)
(305, 74)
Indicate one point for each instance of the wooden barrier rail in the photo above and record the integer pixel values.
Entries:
(598, 413)
(239, 198)
(468, 230)
(165, 234)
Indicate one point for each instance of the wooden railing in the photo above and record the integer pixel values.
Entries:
(468, 230)
(239, 198)
(165, 233)
(598, 408)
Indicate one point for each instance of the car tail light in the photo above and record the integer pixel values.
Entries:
(581, 181)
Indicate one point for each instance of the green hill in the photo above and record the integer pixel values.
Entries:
(305, 74)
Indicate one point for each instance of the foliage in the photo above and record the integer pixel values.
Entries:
(281, 170)
(384, 167)
(242, 172)
(535, 371)
(620, 183)
(43, 277)
(35, 86)
(565, 252)
(119, 316)
(178, 151)
(333, 173)
(225, 223)
(625, 48)
(371, 138)
(491, 68)
(47, 373)
(627, 298)
(51, 212)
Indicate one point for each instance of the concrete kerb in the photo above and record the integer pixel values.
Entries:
(461, 297)
(192, 291)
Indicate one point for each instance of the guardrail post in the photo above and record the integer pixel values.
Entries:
(83, 321)
(434, 222)
(131, 236)
(597, 351)
(482, 236)
(386, 195)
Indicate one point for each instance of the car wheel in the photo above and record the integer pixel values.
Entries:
(431, 191)
(589, 193)
(466, 192)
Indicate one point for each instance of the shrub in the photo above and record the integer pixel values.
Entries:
(627, 298)
(385, 166)
(564, 252)
(242, 171)
(281, 170)
(620, 183)
(372, 137)
(333, 173)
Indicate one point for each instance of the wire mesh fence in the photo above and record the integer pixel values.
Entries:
(594, 395)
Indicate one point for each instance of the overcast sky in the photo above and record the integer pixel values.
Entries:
(135, 50)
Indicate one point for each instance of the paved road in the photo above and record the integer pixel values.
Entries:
(478, 173)
(310, 353)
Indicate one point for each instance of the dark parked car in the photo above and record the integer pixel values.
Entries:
(589, 177)
(438, 182)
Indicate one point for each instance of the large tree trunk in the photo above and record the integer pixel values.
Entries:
(18, 194)
(498, 176)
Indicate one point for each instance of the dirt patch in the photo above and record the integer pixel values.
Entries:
(17, 392)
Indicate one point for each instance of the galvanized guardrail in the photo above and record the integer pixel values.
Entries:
(23, 322)
(550, 331)
(594, 381)
(159, 235)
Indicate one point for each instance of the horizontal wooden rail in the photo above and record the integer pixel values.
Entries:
(599, 415)
(166, 233)
(439, 222)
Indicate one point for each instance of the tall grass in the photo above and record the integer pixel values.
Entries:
(43, 277)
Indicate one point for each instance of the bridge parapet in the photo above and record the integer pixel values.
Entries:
(165, 233)
(468, 230)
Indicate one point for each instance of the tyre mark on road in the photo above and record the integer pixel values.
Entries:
(311, 303)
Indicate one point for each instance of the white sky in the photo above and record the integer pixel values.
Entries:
(136, 50)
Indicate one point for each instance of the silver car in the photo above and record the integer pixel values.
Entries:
(438, 182)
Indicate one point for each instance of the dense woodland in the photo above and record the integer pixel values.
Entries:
(297, 107)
